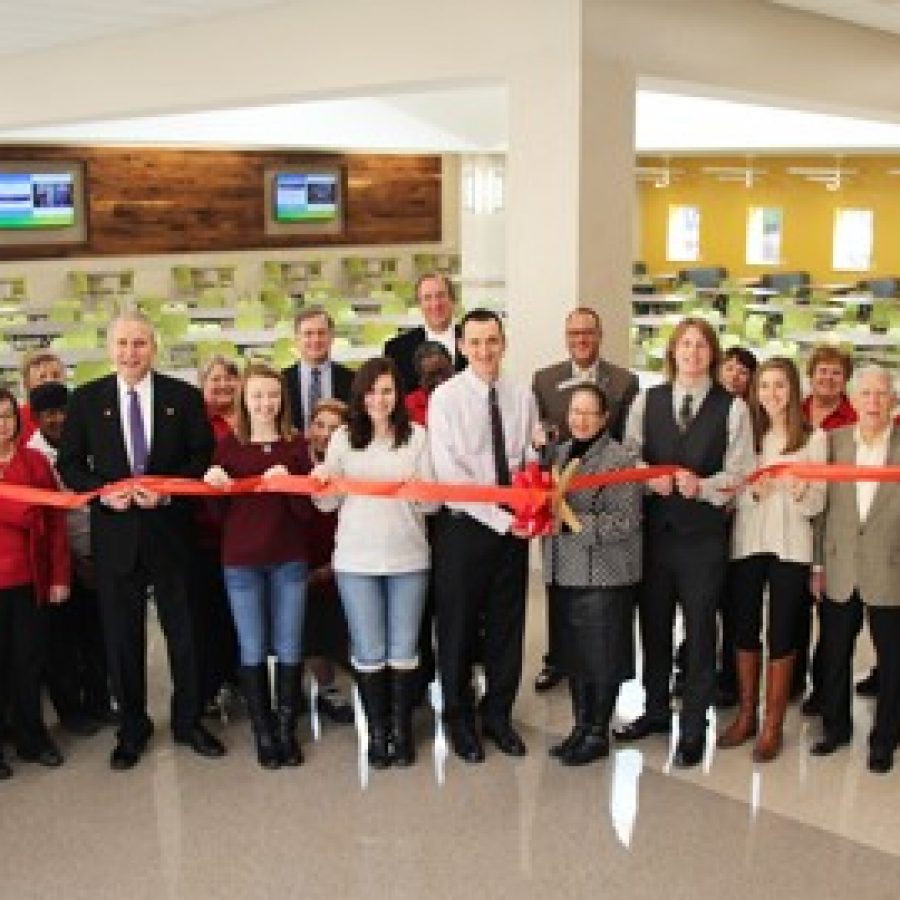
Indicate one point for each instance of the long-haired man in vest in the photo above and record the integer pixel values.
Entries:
(692, 422)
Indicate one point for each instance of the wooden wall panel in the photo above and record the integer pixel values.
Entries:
(156, 200)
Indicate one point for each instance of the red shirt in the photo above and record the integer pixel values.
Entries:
(263, 529)
(221, 428)
(34, 546)
(417, 406)
(843, 415)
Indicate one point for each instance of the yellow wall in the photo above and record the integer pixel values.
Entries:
(808, 214)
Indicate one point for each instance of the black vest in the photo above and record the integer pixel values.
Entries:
(700, 448)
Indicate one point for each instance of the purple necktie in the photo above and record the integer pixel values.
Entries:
(138, 436)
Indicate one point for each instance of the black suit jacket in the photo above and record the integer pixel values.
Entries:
(401, 350)
(92, 454)
(341, 380)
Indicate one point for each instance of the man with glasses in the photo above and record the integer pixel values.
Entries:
(552, 388)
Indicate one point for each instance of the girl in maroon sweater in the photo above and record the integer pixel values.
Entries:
(34, 568)
(264, 554)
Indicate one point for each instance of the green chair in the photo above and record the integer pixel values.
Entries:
(183, 280)
(152, 307)
(276, 302)
(882, 310)
(756, 329)
(173, 326)
(83, 339)
(250, 315)
(736, 312)
(797, 318)
(90, 370)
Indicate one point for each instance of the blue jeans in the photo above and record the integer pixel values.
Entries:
(384, 613)
(268, 600)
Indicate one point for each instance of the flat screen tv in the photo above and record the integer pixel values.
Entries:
(42, 202)
(305, 200)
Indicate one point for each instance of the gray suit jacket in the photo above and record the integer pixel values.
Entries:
(607, 552)
(619, 385)
(863, 556)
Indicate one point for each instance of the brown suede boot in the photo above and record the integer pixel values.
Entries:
(744, 726)
(778, 691)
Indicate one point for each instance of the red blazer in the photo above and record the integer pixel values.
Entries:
(48, 541)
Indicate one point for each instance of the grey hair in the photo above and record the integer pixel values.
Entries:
(132, 315)
(873, 370)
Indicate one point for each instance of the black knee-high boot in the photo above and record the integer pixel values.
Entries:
(583, 695)
(373, 691)
(288, 691)
(403, 691)
(255, 681)
(594, 740)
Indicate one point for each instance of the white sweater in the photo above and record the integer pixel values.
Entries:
(378, 536)
(779, 524)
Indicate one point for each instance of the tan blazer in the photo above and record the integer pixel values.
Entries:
(863, 556)
(552, 392)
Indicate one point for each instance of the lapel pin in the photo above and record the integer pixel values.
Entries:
(170, 411)
(107, 412)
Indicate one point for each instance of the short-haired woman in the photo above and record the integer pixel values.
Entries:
(34, 569)
(382, 557)
(264, 553)
(772, 548)
(593, 576)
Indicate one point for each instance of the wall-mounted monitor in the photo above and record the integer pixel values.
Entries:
(306, 200)
(42, 202)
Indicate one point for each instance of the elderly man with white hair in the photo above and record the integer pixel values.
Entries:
(858, 564)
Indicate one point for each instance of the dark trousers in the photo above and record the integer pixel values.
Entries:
(21, 658)
(689, 570)
(478, 571)
(123, 607)
(808, 658)
(552, 656)
(787, 583)
(841, 624)
(214, 631)
(75, 670)
(884, 625)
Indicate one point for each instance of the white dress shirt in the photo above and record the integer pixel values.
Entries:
(739, 457)
(871, 454)
(459, 430)
(144, 390)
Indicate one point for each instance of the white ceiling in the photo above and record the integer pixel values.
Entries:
(474, 120)
(883, 15)
(42, 24)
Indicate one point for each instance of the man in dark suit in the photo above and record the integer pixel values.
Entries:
(315, 377)
(552, 388)
(436, 299)
(132, 423)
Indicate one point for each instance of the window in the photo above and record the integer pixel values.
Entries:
(853, 229)
(763, 236)
(683, 235)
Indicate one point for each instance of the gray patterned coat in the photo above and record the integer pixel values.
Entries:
(607, 553)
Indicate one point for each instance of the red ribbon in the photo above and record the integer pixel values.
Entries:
(531, 489)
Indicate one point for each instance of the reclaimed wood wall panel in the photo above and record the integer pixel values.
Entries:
(159, 200)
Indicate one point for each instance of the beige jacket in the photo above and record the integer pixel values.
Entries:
(863, 556)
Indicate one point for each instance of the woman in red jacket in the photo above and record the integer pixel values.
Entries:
(34, 568)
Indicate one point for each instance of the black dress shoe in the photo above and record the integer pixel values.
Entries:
(594, 744)
(5, 770)
(201, 742)
(548, 678)
(812, 705)
(828, 745)
(689, 752)
(642, 727)
(868, 687)
(125, 755)
(880, 761)
(465, 742)
(334, 706)
(507, 739)
(46, 753)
